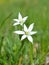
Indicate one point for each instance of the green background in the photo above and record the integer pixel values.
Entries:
(38, 13)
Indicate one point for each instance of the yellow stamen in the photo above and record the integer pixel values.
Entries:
(21, 20)
(26, 33)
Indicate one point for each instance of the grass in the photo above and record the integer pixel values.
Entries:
(12, 50)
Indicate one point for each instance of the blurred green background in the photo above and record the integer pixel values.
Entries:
(37, 12)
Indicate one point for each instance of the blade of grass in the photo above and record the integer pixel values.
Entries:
(5, 20)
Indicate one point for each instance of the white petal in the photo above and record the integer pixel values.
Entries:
(32, 33)
(19, 32)
(25, 28)
(19, 16)
(30, 39)
(21, 24)
(16, 24)
(23, 37)
(25, 18)
(31, 27)
(16, 20)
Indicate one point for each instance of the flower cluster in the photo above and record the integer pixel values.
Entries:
(26, 32)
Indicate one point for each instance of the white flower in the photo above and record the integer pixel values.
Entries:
(20, 20)
(27, 33)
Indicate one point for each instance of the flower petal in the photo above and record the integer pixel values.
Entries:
(19, 16)
(30, 39)
(25, 28)
(16, 24)
(23, 37)
(25, 18)
(33, 32)
(16, 20)
(19, 32)
(21, 24)
(31, 27)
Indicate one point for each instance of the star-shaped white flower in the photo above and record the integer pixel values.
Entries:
(27, 32)
(20, 20)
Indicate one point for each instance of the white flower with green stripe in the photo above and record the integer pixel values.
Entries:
(27, 32)
(20, 20)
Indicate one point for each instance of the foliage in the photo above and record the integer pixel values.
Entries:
(12, 50)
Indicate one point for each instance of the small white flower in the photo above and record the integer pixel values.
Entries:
(20, 20)
(27, 32)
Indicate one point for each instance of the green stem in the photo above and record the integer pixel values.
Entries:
(31, 54)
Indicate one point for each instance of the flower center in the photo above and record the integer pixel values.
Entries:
(26, 33)
(21, 20)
